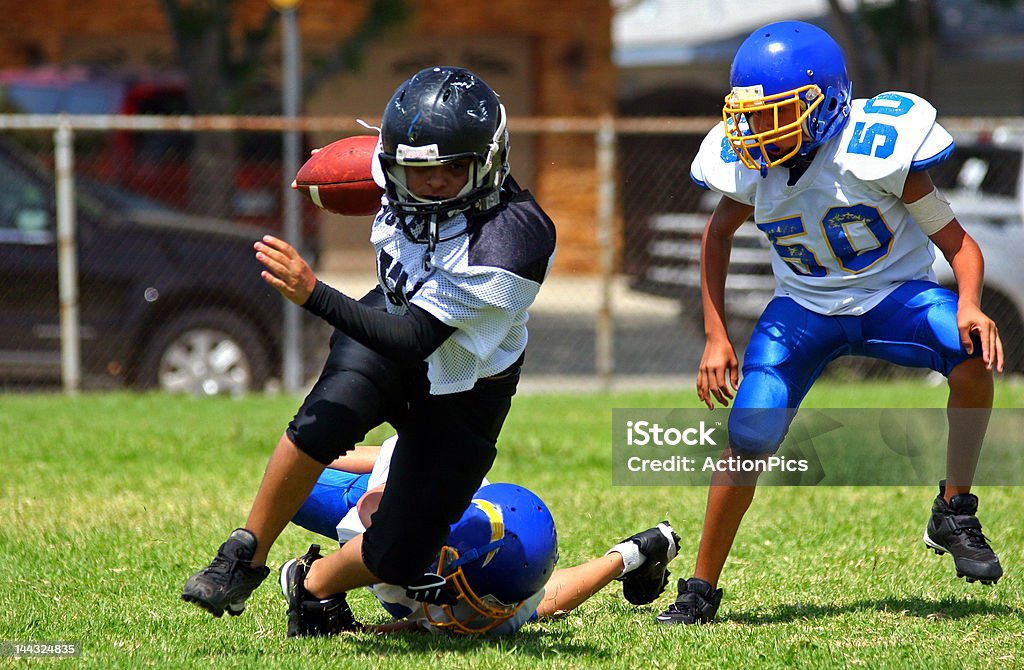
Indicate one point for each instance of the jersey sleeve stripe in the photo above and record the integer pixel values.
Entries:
(932, 161)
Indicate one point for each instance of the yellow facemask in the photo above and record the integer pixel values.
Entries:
(482, 615)
(751, 147)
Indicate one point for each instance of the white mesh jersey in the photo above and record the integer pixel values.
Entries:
(480, 280)
(392, 598)
(842, 237)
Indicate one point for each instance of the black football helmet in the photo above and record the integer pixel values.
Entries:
(440, 115)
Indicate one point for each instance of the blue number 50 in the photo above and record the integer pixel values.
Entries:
(865, 138)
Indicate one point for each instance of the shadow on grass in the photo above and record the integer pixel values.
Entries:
(946, 608)
(538, 643)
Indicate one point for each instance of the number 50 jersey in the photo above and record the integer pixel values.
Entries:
(842, 238)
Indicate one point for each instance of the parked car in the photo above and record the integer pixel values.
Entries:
(165, 300)
(984, 181)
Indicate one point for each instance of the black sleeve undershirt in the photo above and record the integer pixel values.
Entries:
(407, 338)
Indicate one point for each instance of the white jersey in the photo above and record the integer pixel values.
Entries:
(842, 237)
(392, 598)
(480, 281)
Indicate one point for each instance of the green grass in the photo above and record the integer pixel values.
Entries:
(110, 501)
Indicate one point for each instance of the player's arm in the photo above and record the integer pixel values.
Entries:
(718, 375)
(964, 256)
(407, 338)
(359, 461)
(568, 588)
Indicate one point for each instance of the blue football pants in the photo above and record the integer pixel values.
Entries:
(914, 326)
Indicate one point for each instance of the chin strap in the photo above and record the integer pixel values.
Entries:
(475, 553)
(432, 235)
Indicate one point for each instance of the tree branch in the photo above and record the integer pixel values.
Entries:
(256, 40)
(384, 14)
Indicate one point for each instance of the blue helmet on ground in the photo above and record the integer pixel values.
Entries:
(499, 554)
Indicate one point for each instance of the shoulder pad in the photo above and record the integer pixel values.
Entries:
(717, 167)
(937, 147)
(518, 237)
(888, 136)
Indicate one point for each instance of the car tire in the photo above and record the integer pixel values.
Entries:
(205, 352)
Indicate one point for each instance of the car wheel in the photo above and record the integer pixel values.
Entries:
(205, 352)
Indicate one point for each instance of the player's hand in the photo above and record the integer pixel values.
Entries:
(970, 319)
(286, 270)
(432, 589)
(718, 376)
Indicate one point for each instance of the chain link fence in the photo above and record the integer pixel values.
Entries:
(126, 250)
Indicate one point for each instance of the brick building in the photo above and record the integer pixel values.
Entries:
(546, 59)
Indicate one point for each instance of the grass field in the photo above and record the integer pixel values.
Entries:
(109, 502)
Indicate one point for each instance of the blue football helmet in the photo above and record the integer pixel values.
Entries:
(500, 553)
(790, 76)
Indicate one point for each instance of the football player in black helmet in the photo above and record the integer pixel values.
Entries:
(435, 349)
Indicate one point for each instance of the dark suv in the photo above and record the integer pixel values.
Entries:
(165, 300)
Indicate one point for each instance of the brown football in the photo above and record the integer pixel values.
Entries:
(338, 178)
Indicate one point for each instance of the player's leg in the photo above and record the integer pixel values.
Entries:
(787, 352)
(916, 326)
(334, 494)
(239, 566)
(419, 504)
(443, 452)
(287, 481)
(971, 392)
(352, 396)
(356, 391)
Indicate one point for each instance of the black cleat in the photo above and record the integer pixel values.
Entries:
(658, 545)
(954, 528)
(230, 579)
(309, 616)
(697, 602)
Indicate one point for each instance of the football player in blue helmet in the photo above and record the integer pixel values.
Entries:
(495, 572)
(840, 188)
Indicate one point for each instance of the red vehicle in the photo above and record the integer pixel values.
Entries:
(163, 165)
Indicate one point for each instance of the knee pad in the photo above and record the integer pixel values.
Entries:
(755, 431)
(342, 407)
